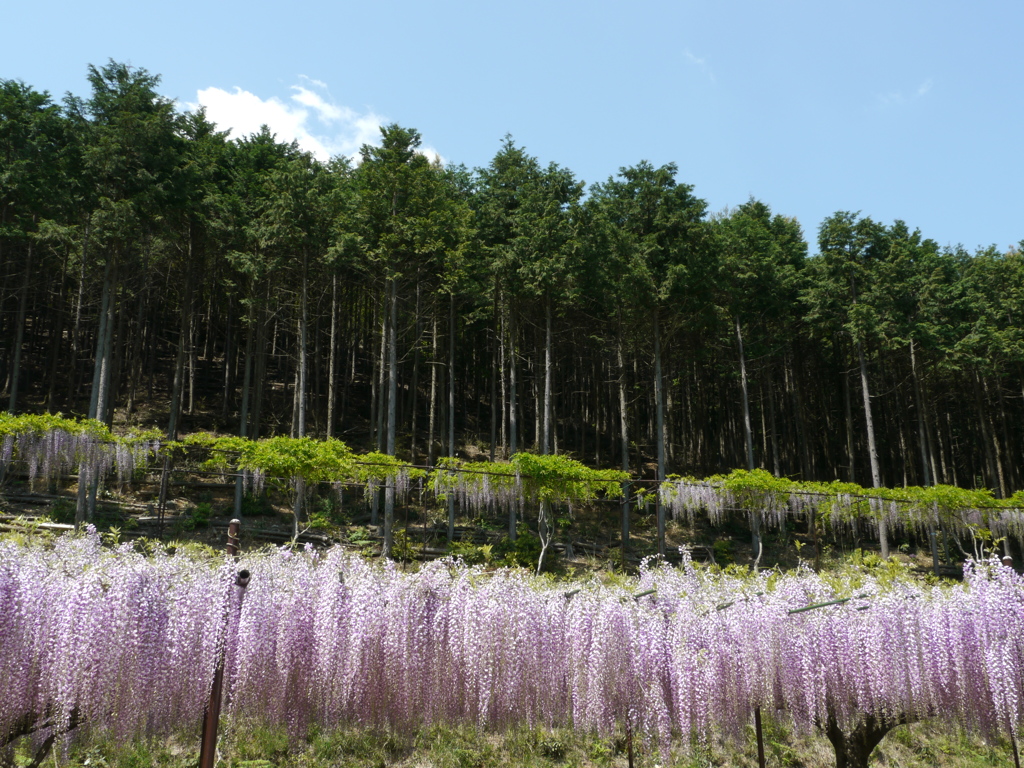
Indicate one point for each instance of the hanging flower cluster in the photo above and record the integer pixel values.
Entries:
(128, 645)
(845, 506)
(526, 478)
(122, 644)
(51, 447)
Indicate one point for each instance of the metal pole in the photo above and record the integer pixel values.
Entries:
(208, 745)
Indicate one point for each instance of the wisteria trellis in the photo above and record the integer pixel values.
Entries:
(845, 505)
(129, 645)
(51, 446)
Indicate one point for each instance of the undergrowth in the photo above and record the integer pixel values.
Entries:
(920, 745)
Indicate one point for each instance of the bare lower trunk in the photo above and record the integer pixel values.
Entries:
(876, 475)
(101, 337)
(432, 416)
(76, 329)
(299, 510)
(922, 436)
(414, 386)
(624, 440)
(659, 396)
(12, 403)
(389, 490)
(853, 748)
(545, 442)
(332, 358)
(451, 410)
(748, 434)
(513, 418)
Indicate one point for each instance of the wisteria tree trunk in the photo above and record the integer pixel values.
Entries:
(853, 748)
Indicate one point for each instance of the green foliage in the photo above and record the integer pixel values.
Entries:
(556, 479)
(916, 507)
(723, 552)
(524, 552)
(62, 511)
(402, 548)
(471, 553)
(196, 518)
(44, 423)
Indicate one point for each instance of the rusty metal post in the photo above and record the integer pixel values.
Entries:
(208, 746)
(233, 541)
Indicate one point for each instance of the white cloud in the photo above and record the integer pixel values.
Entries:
(701, 64)
(897, 97)
(309, 117)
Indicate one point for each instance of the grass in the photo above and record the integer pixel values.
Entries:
(920, 745)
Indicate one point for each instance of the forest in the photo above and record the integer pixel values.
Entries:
(154, 272)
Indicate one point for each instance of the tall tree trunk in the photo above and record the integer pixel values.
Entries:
(876, 475)
(504, 390)
(332, 358)
(997, 451)
(229, 358)
(513, 418)
(299, 512)
(19, 336)
(545, 443)
(135, 358)
(243, 411)
(494, 376)
(76, 329)
(922, 436)
(381, 368)
(57, 340)
(659, 406)
(389, 491)
(106, 367)
(774, 434)
(415, 383)
(451, 409)
(432, 416)
(851, 457)
(624, 438)
(193, 362)
(748, 434)
(101, 336)
(179, 362)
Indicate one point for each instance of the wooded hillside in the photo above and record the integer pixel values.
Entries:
(151, 269)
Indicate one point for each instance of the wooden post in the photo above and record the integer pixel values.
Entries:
(208, 746)
(760, 737)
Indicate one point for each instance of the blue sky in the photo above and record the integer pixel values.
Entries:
(900, 110)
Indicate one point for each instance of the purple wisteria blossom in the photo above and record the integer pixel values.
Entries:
(128, 645)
